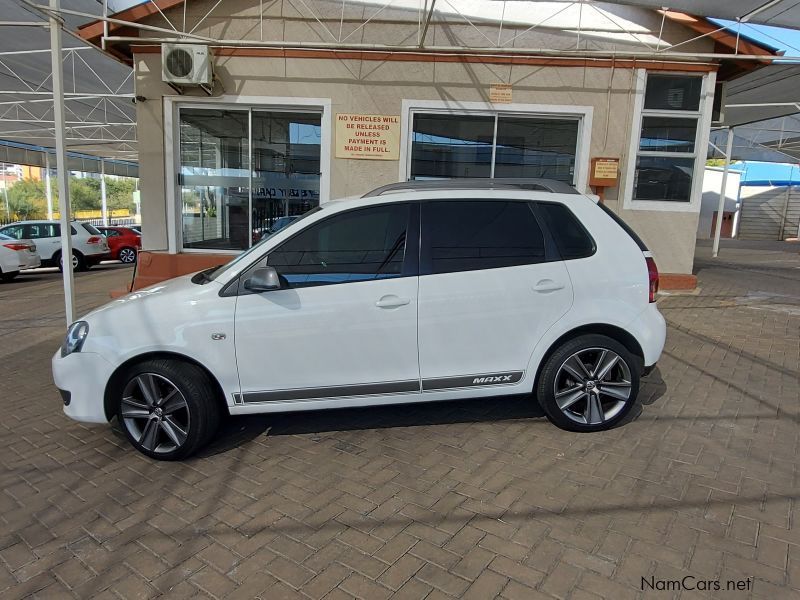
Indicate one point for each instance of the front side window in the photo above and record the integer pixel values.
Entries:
(472, 235)
(494, 145)
(667, 151)
(358, 245)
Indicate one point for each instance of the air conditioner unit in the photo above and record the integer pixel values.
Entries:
(186, 64)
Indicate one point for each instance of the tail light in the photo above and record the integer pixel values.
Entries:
(652, 277)
(95, 239)
(17, 246)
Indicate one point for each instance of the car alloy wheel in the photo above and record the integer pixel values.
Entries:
(155, 413)
(592, 386)
(127, 255)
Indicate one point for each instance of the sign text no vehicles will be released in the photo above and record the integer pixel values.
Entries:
(371, 137)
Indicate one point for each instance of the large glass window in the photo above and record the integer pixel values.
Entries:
(358, 245)
(243, 169)
(471, 235)
(667, 152)
(494, 145)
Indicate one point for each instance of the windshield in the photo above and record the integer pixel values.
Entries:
(212, 274)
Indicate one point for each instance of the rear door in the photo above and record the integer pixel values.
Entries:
(46, 236)
(490, 286)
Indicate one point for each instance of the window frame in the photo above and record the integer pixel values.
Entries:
(703, 116)
(583, 114)
(551, 253)
(172, 106)
(411, 257)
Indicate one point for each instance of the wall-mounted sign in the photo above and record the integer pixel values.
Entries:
(500, 93)
(370, 137)
(604, 172)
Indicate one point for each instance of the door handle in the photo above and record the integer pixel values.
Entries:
(548, 285)
(392, 301)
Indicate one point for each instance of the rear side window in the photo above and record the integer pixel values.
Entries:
(571, 237)
(470, 235)
(38, 231)
(91, 229)
(618, 220)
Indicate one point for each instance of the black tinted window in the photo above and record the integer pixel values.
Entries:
(474, 234)
(572, 239)
(358, 245)
(37, 231)
(91, 229)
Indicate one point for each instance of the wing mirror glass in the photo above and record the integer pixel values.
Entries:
(263, 279)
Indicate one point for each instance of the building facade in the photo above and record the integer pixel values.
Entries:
(287, 127)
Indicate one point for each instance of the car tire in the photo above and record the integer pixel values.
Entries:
(167, 408)
(589, 383)
(78, 262)
(127, 255)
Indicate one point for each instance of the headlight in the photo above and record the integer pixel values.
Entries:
(76, 334)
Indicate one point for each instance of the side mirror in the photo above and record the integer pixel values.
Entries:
(263, 280)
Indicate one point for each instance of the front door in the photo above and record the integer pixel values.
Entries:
(344, 324)
(489, 288)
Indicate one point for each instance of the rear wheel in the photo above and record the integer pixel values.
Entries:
(167, 408)
(78, 263)
(589, 383)
(127, 255)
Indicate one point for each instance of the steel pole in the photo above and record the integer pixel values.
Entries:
(62, 172)
(721, 206)
(104, 204)
(5, 190)
(48, 186)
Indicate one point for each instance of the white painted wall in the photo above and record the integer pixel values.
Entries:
(712, 184)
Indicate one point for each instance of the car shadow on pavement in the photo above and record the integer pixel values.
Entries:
(238, 430)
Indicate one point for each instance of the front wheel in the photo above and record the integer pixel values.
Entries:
(589, 383)
(167, 408)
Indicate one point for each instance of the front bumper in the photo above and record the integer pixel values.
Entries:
(82, 377)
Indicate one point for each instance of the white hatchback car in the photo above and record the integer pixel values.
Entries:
(454, 289)
(89, 246)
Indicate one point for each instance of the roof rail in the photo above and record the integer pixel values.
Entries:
(540, 185)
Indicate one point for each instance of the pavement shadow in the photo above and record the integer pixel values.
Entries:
(238, 430)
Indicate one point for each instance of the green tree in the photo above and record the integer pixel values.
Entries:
(27, 199)
(119, 193)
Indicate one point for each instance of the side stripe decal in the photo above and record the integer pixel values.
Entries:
(371, 389)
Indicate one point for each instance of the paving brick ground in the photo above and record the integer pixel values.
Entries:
(473, 499)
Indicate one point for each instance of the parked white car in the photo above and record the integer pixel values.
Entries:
(89, 246)
(26, 255)
(458, 289)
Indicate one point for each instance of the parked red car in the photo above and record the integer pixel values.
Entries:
(123, 242)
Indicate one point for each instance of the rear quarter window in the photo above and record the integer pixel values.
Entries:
(571, 237)
(91, 229)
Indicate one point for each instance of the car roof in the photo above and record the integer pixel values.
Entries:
(457, 194)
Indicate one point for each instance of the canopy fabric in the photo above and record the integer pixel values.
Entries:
(769, 92)
(101, 118)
